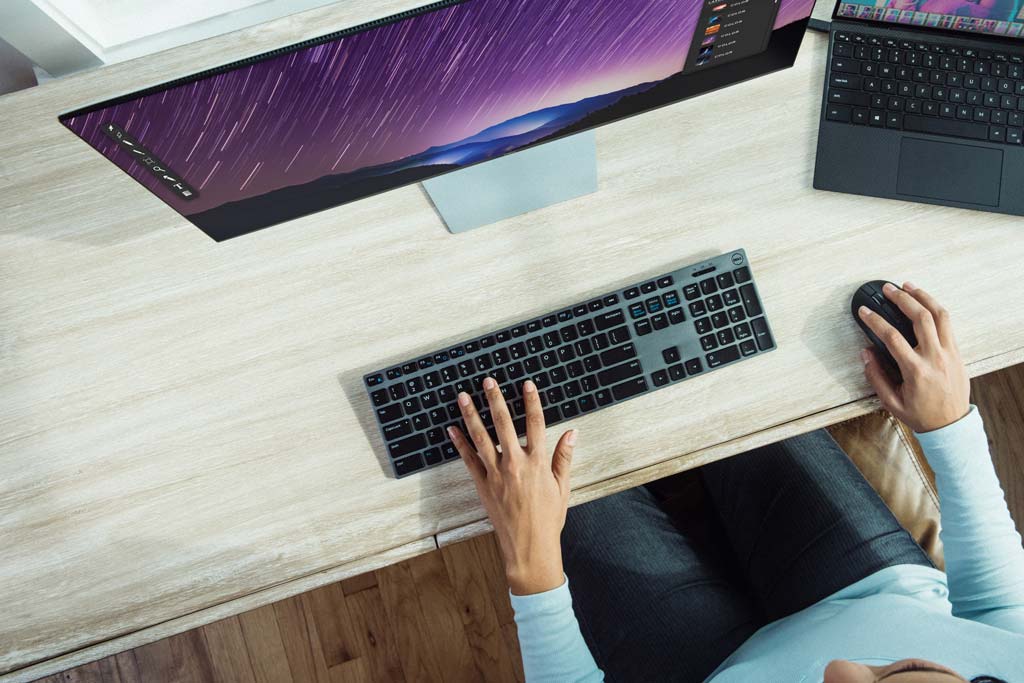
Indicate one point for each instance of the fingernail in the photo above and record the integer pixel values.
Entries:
(888, 288)
(909, 286)
(529, 387)
(864, 310)
(451, 432)
(489, 383)
(865, 356)
(463, 399)
(571, 439)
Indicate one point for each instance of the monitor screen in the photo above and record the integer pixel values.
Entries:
(997, 17)
(379, 106)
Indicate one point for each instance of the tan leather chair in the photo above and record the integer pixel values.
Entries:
(889, 457)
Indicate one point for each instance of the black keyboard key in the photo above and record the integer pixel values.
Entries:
(848, 97)
(435, 436)
(629, 388)
(374, 380)
(618, 335)
(691, 292)
(708, 342)
(747, 347)
(389, 413)
(761, 334)
(697, 308)
(397, 430)
(750, 302)
(702, 325)
(643, 327)
(676, 372)
(433, 456)
(610, 376)
(693, 366)
(607, 321)
(618, 355)
(723, 356)
(632, 293)
(380, 397)
(648, 287)
(659, 321)
(845, 65)
(666, 281)
(676, 316)
(671, 354)
(449, 451)
(397, 392)
(411, 444)
(420, 422)
(408, 465)
(394, 373)
(952, 127)
(660, 378)
(838, 112)
(569, 409)
(708, 286)
(603, 397)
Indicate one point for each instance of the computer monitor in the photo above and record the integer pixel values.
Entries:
(338, 118)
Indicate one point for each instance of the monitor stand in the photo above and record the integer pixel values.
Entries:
(517, 183)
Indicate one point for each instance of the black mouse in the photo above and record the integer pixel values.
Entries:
(870, 294)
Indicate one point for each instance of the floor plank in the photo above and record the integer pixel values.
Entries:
(228, 652)
(183, 658)
(479, 618)
(378, 643)
(301, 641)
(444, 616)
(265, 645)
(1000, 398)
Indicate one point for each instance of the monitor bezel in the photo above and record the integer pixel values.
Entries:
(790, 59)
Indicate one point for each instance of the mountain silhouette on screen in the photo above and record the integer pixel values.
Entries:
(253, 213)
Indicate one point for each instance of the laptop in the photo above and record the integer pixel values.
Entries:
(924, 101)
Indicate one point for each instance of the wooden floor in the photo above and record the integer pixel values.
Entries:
(439, 617)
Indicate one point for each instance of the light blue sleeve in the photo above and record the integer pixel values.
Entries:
(550, 640)
(984, 556)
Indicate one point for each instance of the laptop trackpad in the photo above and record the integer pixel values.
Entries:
(945, 170)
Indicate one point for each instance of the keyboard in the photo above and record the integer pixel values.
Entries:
(926, 87)
(585, 357)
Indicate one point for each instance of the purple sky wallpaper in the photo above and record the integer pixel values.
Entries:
(398, 91)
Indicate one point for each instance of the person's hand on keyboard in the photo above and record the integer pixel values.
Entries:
(524, 490)
(936, 389)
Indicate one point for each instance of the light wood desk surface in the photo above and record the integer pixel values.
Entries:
(183, 434)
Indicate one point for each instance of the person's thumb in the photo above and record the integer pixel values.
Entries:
(561, 461)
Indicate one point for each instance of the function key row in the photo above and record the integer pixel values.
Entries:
(856, 38)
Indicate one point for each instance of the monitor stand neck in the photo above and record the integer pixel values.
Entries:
(517, 183)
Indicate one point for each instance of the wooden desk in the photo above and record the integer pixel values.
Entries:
(183, 434)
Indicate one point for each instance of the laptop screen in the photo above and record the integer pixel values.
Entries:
(997, 17)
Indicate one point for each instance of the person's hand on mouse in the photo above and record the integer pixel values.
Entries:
(936, 390)
(524, 490)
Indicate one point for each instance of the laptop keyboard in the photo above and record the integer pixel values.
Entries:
(585, 357)
(926, 88)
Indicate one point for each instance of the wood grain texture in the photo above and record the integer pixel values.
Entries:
(182, 426)
(228, 653)
(1000, 399)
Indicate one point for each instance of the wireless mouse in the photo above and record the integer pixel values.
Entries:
(870, 295)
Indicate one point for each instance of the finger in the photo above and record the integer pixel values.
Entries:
(502, 419)
(921, 317)
(940, 315)
(881, 382)
(465, 448)
(477, 432)
(535, 432)
(891, 337)
(561, 461)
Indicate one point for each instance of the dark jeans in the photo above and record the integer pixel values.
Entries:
(789, 524)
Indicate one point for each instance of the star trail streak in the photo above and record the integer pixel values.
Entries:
(394, 91)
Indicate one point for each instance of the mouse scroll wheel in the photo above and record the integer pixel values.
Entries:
(878, 298)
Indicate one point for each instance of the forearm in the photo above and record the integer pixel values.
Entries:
(984, 557)
(552, 646)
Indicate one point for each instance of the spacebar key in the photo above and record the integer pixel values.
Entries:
(960, 129)
(629, 388)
